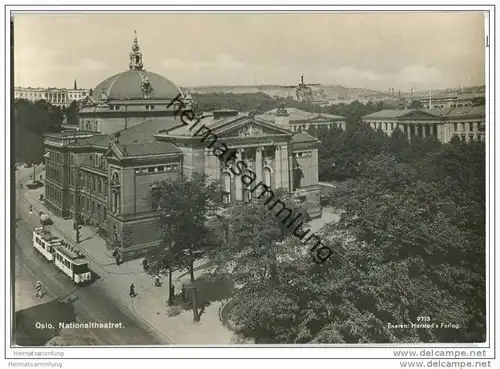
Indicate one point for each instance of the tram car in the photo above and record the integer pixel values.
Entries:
(62, 255)
(44, 242)
(72, 263)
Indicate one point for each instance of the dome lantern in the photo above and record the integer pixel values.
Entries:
(135, 56)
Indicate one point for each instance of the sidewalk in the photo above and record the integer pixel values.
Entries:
(150, 303)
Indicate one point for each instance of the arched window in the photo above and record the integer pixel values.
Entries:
(226, 188)
(266, 175)
(115, 192)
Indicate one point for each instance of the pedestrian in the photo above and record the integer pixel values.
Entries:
(41, 176)
(157, 281)
(38, 288)
(184, 292)
(132, 291)
(145, 264)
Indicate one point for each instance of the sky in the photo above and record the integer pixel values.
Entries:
(366, 50)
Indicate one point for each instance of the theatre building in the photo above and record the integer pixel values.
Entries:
(130, 137)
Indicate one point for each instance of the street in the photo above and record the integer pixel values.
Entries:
(37, 320)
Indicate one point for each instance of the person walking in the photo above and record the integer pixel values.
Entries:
(38, 288)
(132, 291)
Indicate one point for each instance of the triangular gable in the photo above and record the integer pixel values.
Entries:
(418, 113)
(248, 126)
(113, 152)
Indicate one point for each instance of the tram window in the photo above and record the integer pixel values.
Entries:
(79, 269)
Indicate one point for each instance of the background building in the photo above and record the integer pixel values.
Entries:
(129, 137)
(61, 97)
(300, 120)
(467, 123)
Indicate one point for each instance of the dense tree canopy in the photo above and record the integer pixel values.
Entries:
(31, 121)
(410, 244)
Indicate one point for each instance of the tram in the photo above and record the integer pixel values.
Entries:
(72, 263)
(44, 242)
(62, 255)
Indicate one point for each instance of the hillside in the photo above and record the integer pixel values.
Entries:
(332, 91)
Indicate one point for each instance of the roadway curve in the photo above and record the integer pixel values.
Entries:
(63, 301)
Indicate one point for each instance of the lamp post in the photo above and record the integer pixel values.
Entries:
(77, 207)
(168, 217)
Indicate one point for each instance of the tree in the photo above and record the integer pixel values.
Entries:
(312, 130)
(405, 253)
(416, 104)
(397, 143)
(401, 252)
(31, 121)
(252, 238)
(71, 113)
(182, 208)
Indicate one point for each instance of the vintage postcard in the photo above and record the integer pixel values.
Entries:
(247, 178)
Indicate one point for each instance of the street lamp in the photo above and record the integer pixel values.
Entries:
(77, 225)
(168, 217)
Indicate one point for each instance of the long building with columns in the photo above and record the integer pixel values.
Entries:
(130, 137)
(61, 97)
(466, 123)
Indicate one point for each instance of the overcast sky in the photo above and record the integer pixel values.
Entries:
(378, 50)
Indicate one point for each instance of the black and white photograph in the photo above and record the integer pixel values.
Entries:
(249, 179)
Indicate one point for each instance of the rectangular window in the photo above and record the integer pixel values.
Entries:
(151, 170)
(471, 126)
(455, 127)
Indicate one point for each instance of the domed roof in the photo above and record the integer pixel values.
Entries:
(130, 85)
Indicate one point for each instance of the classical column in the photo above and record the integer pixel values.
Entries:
(424, 126)
(408, 131)
(258, 164)
(277, 168)
(286, 177)
(238, 185)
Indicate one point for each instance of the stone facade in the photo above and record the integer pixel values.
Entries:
(131, 136)
(467, 123)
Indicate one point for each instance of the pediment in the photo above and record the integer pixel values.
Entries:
(113, 152)
(417, 113)
(249, 127)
